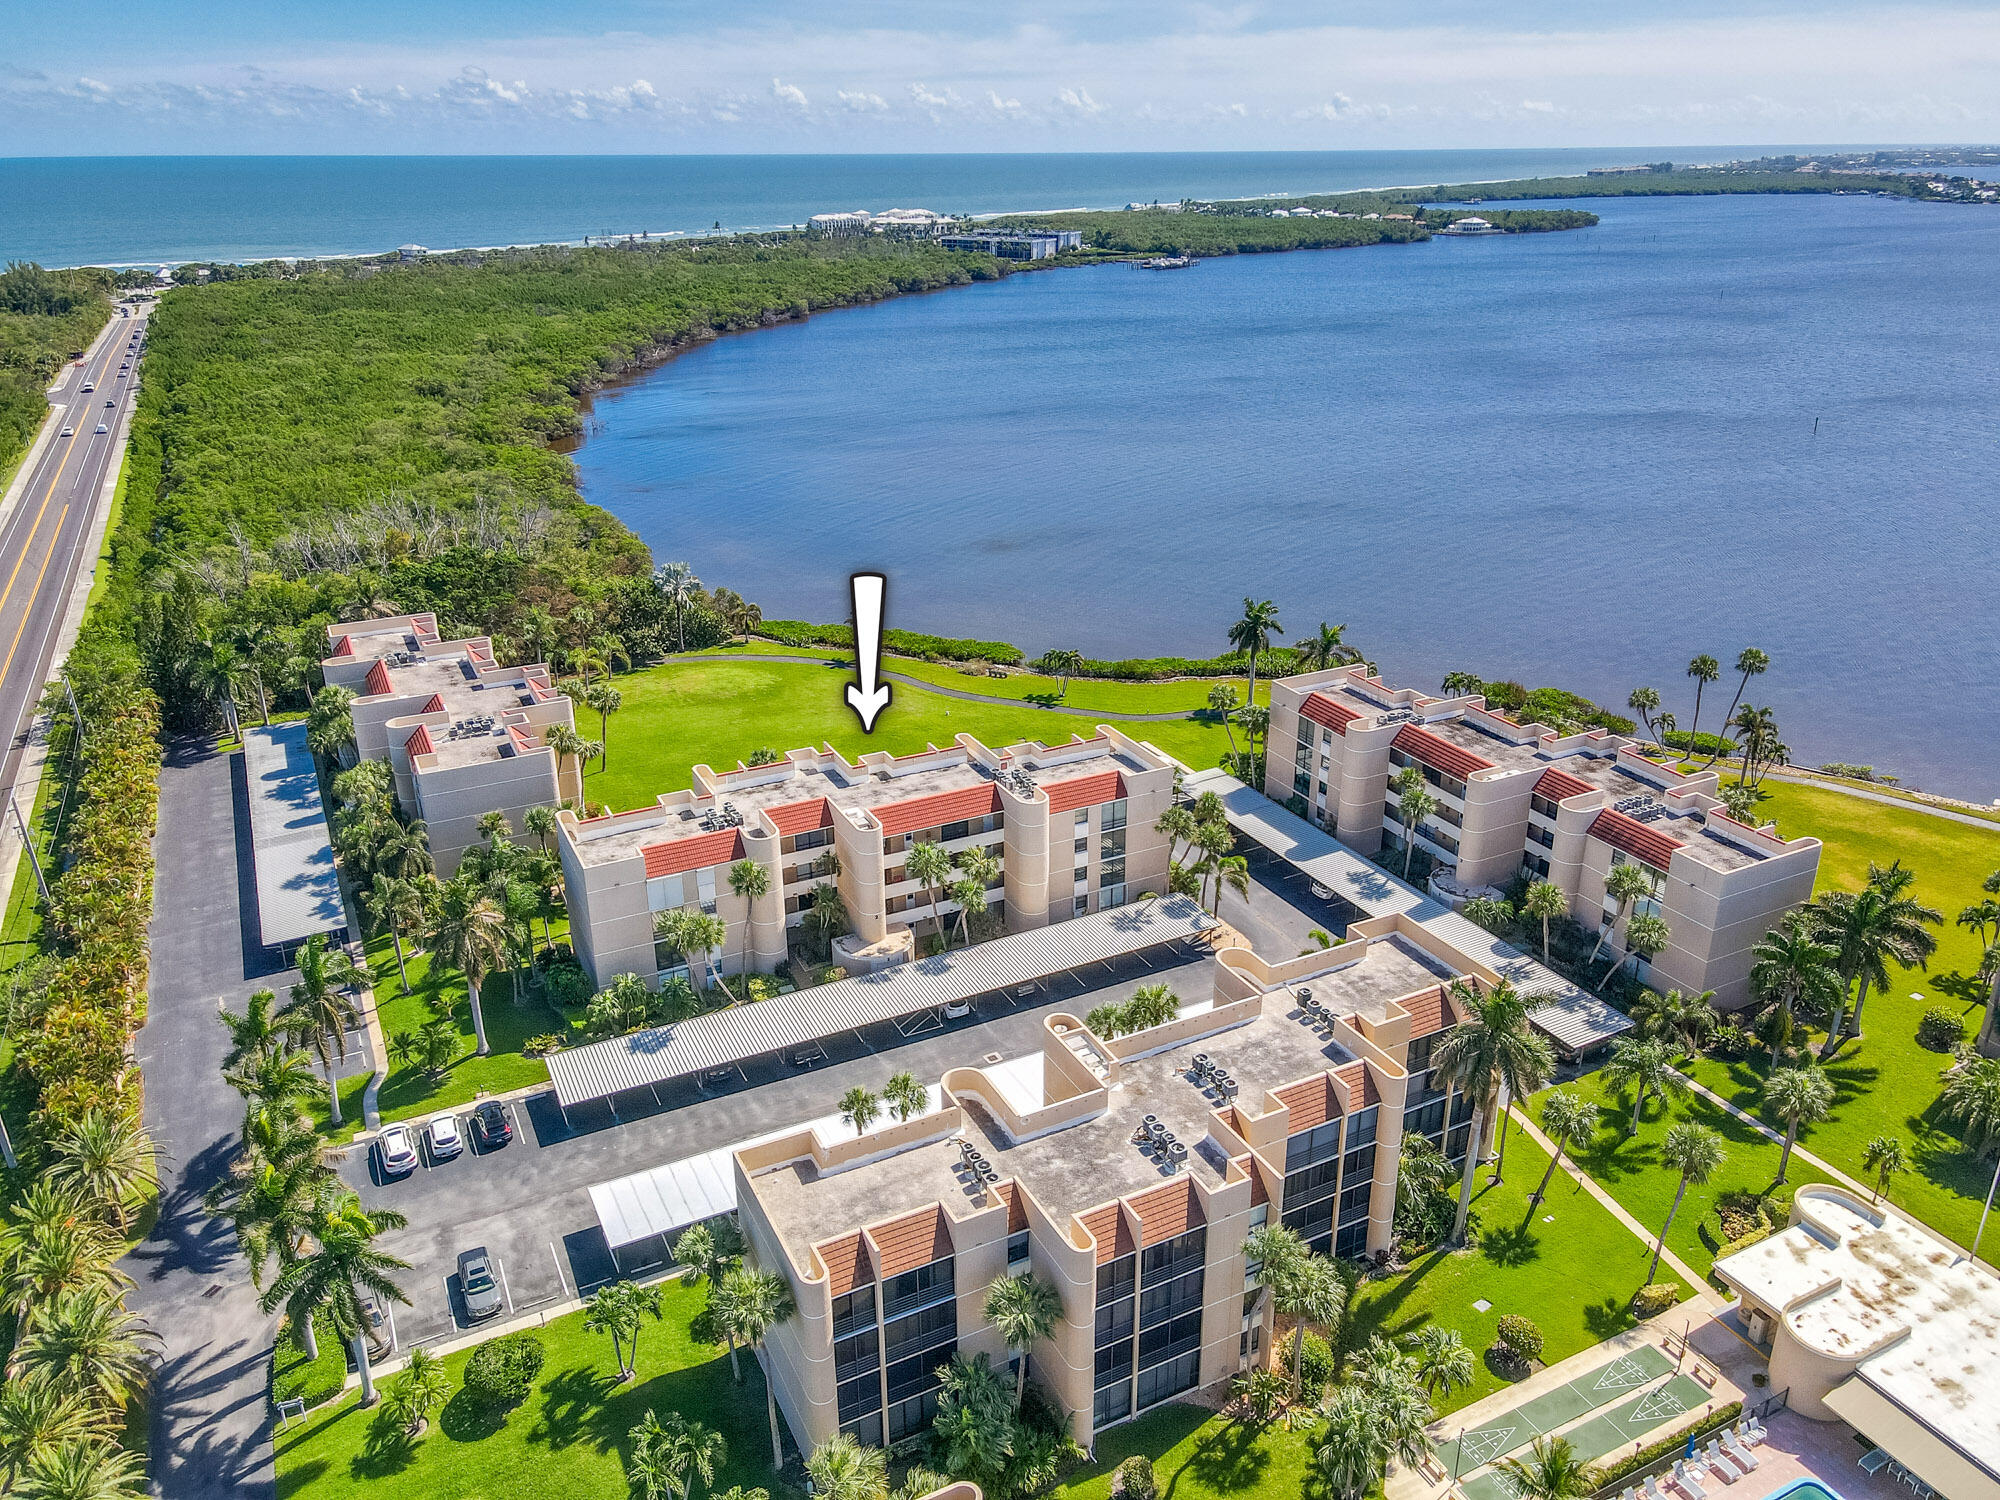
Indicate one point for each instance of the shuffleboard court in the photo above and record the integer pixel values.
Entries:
(1629, 1422)
(1501, 1435)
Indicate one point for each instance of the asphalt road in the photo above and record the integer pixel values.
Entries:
(44, 542)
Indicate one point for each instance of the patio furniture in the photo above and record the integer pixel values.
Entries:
(1753, 1431)
(1741, 1456)
(1689, 1485)
(1711, 1457)
(1872, 1460)
(1653, 1490)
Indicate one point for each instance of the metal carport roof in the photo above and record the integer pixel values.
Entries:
(726, 1037)
(298, 893)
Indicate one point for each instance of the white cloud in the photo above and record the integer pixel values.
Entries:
(862, 101)
(1005, 106)
(928, 98)
(1080, 101)
(789, 95)
(1538, 106)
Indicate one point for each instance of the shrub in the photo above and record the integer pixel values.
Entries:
(1731, 1040)
(1519, 1337)
(543, 1045)
(1135, 1478)
(1654, 1298)
(1941, 1029)
(1612, 1473)
(1316, 1366)
(1703, 743)
(502, 1372)
(568, 985)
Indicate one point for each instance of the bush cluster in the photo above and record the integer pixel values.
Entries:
(1518, 1337)
(1940, 1029)
(1654, 1298)
(502, 1372)
(1135, 1478)
(896, 642)
(1703, 743)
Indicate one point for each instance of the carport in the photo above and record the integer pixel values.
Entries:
(298, 893)
(908, 996)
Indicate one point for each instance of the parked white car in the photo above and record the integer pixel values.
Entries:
(446, 1142)
(399, 1151)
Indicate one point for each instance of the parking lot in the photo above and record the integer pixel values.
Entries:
(1282, 910)
(528, 1202)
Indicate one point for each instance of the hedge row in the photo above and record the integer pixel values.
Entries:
(1610, 1476)
(1273, 663)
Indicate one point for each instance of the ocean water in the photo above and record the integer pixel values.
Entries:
(1574, 458)
(65, 211)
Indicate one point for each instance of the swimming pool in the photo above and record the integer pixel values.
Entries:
(1803, 1489)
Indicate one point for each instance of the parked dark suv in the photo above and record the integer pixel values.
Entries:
(490, 1125)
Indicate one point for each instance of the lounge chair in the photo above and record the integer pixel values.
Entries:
(1711, 1458)
(1741, 1456)
(1753, 1431)
(1653, 1490)
(1684, 1476)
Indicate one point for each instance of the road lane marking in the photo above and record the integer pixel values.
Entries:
(39, 576)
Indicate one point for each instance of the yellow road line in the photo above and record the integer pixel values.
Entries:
(39, 576)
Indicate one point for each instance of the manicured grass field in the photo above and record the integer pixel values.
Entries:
(1887, 1084)
(567, 1439)
(1574, 1276)
(1199, 1456)
(716, 711)
(295, 1376)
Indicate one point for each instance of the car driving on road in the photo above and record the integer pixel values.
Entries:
(399, 1151)
(490, 1125)
(476, 1283)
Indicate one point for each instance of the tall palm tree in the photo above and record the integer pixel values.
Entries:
(1885, 1157)
(749, 1304)
(607, 700)
(1323, 649)
(1880, 924)
(397, 906)
(1545, 900)
(1645, 702)
(621, 1310)
(1222, 703)
(567, 745)
(106, 1155)
(1750, 662)
(930, 867)
(1414, 803)
(696, 934)
(1443, 1363)
(86, 1344)
(1492, 1051)
(1791, 968)
(1798, 1096)
(749, 882)
(693, 1450)
(471, 937)
(274, 1194)
(1757, 742)
(1704, 669)
(404, 849)
(1252, 636)
(1625, 884)
(1177, 824)
(275, 1089)
(540, 824)
(1059, 664)
(1024, 1310)
(1971, 1101)
(1568, 1121)
(1643, 1065)
(680, 588)
(842, 1469)
(1551, 1471)
(1304, 1287)
(35, 1416)
(1645, 937)
(322, 1010)
(1351, 1450)
(907, 1097)
(261, 1030)
(1695, 1152)
(978, 870)
(1682, 1020)
(329, 1280)
(1213, 843)
(81, 1469)
(826, 917)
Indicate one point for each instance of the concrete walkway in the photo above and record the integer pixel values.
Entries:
(1696, 1283)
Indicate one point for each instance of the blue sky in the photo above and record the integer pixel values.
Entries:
(946, 75)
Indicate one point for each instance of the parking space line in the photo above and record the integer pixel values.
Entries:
(505, 1290)
(559, 1275)
(449, 1311)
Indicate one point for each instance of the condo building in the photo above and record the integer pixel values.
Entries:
(463, 734)
(1519, 798)
(1125, 1171)
(1070, 828)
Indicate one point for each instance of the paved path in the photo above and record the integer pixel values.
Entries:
(959, 693)
(1696, 1283)
(211, 1433)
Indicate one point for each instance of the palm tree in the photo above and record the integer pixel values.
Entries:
(568, 745)
(826, 918)
(680, 588)
(1684, 1020)
(397, 906)
(1178, 825)
(1443, 1362)
(1696, 1153)
(261, 1030)
(85, 1344)
(979, 870)
(1060, 664)
(36, 1416)
(404, 849)
(1551, 1471)
(105, 1155)
(1645, 702)
(1758, 743)
(322, 1012)
(1304, 1287)
(1494, 1049)
(1643, 1065)
(1798, 1096)
(329, 1280)
(1750, 662)
(55, 1245)
(930, 867)
(1627, 881)
(471, 937)
(1024, 1310)
(620, 1310)
(540, 824)
(842, 1469)
(906, 1096)
(1645, 937)
(81, 1469)
(1323, 649)
(1544, 899)
(695, 933)
(1885, 1157)
(1790, 968)
(607, 700)
(1414, 803)
(1568, 1121)
(417, 1393)
(1222, 703)
(1704, 669)
(749, 881)
(1350, 1451)
(860, 1108)
(1971, 1101)
(275, 1192)
(692, 1449)
(1252, 635)
(1880, 924)
(748, 1305)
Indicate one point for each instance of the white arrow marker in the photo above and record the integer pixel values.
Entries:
(867, 697)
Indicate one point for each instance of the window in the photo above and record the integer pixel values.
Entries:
(1353, 1241)
(1170, 1379)
(913, 1415)
(1361, 1126)
(1543, 806)
(958, 830)
(667, 959)
(1311, 1221)
(1354, 1201)
(1164, 1341)
(933, 1325)
(1112, 1404)
(919, 1373)
(1112, 871)
(1302, 755)
(812, 838)
(1111, 844)
(1082, 852)
(705, 888)
(857, 1355)
(1114, 1323)
(1540, 835)
(1114, 814)
(1083, 817)
(1359, 1164)
(1311, 1183)
(853, 1310)
(1017, 1249)
(1170, 1299)
(861, 1396)
(1174, 1257)
(1080, 906)
(1114, 1364)
(1117, 1278)
(1321, 1143)
(1536, 865)
(866, 1431)
(918, 1288)
(1111, 896)
(1428, 1120)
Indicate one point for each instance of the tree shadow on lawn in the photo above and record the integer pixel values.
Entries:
(1227, 1461)
(1942, 1158)
(1512, 1246)
(1964, 987)
(1608, 1317)
(575, 1405)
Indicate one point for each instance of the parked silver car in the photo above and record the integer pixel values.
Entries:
(477, 1284)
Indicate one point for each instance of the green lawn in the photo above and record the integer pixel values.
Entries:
(717, 710)
(1199, 1456)
(567, 1439)
(1888, 1085)
(1574, 1276)
(293, 1375)
(1629, 1167)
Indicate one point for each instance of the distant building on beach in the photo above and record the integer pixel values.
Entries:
(1016, 244)
(918, 223)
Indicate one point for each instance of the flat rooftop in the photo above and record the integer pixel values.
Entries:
(1504, 753)
(1094, 1161)
(851, 788)
(1605, 773)
(1846, 1285)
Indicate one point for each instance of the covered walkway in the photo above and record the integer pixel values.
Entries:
(298, 892)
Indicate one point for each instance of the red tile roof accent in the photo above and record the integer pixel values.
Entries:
(1258, 1194)
(1009, 1193)
(1108, 1227)
(1427, 1012)
(1324, 712)
(1436, 751)
(1167, 1211)
(802, 817)
(1556, 785)
(378, 678)
(846, 1265)
(1308, 1103)
(914, 1240)
(704, 849)
(1084, 791)
(419, 742)
(435, 706)
(939, 808)
(1635, 838)
(346, 646)
(519, 735)
(1359, 1082)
